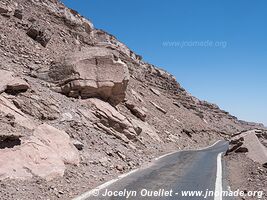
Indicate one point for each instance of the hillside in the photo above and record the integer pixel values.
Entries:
(78, 107)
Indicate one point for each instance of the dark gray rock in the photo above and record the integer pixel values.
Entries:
(78, 145)
(39, 34)
(241, 150)
(18, 14)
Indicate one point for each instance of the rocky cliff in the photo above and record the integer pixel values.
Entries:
(77, 106)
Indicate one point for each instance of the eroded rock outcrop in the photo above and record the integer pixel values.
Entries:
(248, 142)
(93, 72)
(44, 108)
(112, 121)
(138, 112)
(146, 129)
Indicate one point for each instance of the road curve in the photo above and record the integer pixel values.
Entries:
(167, 177)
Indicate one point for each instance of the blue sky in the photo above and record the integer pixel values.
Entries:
(216, 49)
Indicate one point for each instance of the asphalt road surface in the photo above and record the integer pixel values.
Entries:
(169, 176)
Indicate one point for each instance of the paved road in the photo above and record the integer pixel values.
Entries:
(172, 174)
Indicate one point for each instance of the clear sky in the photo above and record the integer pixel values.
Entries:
(217, 49)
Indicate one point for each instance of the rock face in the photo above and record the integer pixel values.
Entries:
(94, 72)
(256, 151)
(42, 108)
(138, 112)
(113, 120)
(92, 68)
(146, 129)
(248, 142)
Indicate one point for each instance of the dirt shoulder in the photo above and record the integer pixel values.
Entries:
(246, 175)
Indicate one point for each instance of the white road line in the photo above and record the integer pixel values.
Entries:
(218, 183)
(103, 186)
(188, 150)
(90, 193)
(127, 174)
(165, 155)
(96, 190)
(208, 146)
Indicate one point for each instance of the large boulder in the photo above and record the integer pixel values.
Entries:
(10, 83)
(5, 77)
(28, 149)
(31, 158)
(42, 154)
(59, 141)
(92, 72)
